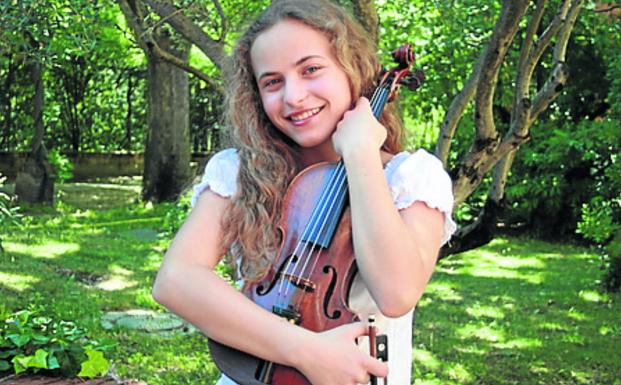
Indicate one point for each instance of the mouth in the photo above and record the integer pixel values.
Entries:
(300, 117)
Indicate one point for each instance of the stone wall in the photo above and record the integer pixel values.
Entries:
(93, 165)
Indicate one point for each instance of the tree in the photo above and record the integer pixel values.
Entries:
(41, 37)
(167, 151)
(523, 34)
(24, 37)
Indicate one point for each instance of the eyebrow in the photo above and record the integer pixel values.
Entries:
(297, 63)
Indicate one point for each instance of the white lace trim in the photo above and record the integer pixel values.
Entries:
(412, 177)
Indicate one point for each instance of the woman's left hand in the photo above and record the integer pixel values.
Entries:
(358, 131)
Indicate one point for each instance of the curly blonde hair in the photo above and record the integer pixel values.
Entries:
(268, 159)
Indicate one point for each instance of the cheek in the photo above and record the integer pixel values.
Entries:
(271, 104)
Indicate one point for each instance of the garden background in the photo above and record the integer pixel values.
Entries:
(109, 110)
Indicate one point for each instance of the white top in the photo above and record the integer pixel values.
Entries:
(412, 177)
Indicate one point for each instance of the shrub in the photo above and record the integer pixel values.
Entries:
(31, 341)
(63, 168)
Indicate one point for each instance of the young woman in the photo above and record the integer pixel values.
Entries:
(295, 98)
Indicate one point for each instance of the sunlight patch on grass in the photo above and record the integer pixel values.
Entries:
(485, 333)
(553, 326)
(496, 271)
(520, 343)
(443, 291)
(119, 279)
(17, 282)
(490, 264)
(576, 315)
(426, 358)
(478, 311)
(49, 250)
(592, 296)
(539, 367)
(458, 372)
(470, 349)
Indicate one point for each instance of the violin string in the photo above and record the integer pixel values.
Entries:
(324, 200)
(340, 170)
(305, 235)
(377, 100)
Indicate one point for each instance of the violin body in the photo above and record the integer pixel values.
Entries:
(316, 301)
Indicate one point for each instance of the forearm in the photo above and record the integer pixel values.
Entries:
(198, 295)
(389, 259)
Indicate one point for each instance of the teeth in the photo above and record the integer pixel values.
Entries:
(305, 115)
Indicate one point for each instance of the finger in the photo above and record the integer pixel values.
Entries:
(376, 367)
(364, 379)
(363, 103)
(357, 329)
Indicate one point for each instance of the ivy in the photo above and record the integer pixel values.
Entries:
(31, 341)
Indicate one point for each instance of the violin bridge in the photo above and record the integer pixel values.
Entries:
(301, 283)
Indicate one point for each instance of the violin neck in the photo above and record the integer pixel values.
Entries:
(326, 216)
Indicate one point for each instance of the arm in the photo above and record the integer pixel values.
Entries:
(396, 251)
(188, 286)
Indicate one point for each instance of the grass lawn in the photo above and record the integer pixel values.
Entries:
(517, 311)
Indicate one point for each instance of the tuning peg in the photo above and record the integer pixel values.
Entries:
(414, 79)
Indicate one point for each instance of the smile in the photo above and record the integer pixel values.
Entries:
(304, 115)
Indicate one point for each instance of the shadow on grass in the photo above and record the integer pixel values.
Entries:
(518, 312)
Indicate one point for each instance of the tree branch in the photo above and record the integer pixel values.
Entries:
(134, 14)
(560, 73)
(503, 35)
(182, 24)
(135, 18)
(224, 24)
(174, 60)
(456, 111)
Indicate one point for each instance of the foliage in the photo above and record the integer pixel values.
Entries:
(63, 168)
(176, 214)
(612, 279)
(94, 99)
(597, 222)
(565, 166)
(32, 341)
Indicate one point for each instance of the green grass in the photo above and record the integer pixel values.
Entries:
(518, 312)
(514, 312)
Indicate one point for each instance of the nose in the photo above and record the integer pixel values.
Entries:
(294, 92)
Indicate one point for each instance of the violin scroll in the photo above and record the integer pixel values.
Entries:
(401, 75)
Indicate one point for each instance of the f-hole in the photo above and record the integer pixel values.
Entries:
(329, 292)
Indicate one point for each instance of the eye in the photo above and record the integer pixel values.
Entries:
(271, 83)
(311, 69)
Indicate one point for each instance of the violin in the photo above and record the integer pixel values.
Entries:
(309, 281)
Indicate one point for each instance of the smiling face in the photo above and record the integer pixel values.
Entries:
(303, 89)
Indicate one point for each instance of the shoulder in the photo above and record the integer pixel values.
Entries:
(420, 176)
(220, 175)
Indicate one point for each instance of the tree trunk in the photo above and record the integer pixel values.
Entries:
(34, 182)
(167, 152)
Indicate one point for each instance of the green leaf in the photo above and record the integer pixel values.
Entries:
(19, 339)
(96, 365)
(18, 366)
(52, 362)
(38, 360)
(4, 365)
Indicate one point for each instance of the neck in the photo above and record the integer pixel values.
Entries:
(322, 153)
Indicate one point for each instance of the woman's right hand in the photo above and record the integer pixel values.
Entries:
(333, 358)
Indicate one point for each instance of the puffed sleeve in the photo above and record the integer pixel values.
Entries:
(421, 177)
(220, 175)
